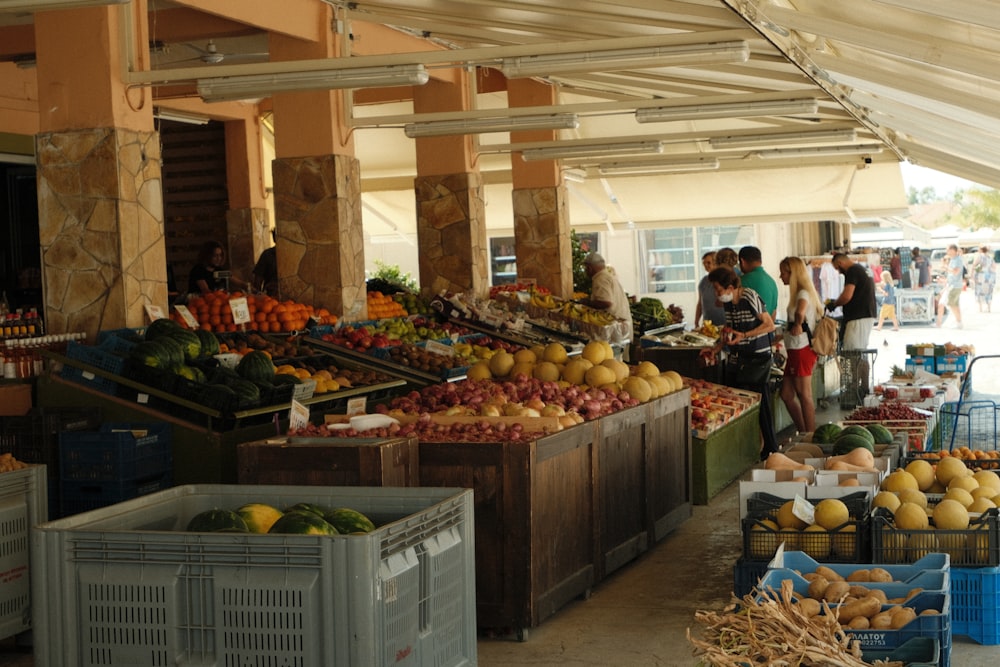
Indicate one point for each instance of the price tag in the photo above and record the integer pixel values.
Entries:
(186, 315)
(803, 509)
(142, 398)
(356, 406)
(440, 348)
(241, 311)
(298, 415)
(491, 320)
(154, 312)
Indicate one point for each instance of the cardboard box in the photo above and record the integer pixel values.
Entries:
(924, 350)
(925, 364)
(953, 363)
(15, 400)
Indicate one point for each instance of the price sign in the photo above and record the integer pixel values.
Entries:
(440, 348)
(241, 311)
(298, 415)
(154, 312)
(491, 320)
(356, 406)
(186, 315)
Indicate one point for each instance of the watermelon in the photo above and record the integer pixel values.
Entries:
(826, 434)
(882, 435)
(256, 366)
(259, 517)
(174, 351)
(217, 520)
(348, 521)
(860, 431)
(223, 375)
(189, 341)
(150, 353)
(162, 327)
(318, 510)
(247, 392)
(209, 343)
(302, 523)
(286, 378)
(190, 373)
(849, 441)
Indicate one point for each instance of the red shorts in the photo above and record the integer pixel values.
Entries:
(800, 362)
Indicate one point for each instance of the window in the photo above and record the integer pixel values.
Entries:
(673, 256)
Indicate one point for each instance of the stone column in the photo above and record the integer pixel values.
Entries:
(451, 232)
(541, 237)
(100, 227)
(248, 232)
(320, 241)
(248, 225)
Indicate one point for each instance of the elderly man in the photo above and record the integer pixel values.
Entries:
(606, 293)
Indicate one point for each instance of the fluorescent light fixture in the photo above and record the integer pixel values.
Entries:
(437, 128)
(820, 151)
(751, 140)
(727, 110)
(180, 116)
(658, 167)
(261, 85)
(23, 6)
(622, 59)
(582, 151)
(575, 175)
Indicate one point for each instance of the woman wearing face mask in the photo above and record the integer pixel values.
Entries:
(747, 337)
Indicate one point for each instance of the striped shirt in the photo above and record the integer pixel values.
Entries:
(744, 315)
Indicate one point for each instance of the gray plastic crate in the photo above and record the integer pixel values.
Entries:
(24, 502)
(125, 585)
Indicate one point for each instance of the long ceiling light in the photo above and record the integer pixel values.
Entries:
(660, 167)
(621, 59)
(727, 110)
(180, 116)
(261, 85)
(438, 128)
(752, 140)
(18, 6)
(820, 151)
(584, 151)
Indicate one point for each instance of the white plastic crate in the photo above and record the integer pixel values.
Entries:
(23, 503)
(124, 585)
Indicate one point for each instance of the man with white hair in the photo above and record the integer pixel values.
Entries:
(606, 293)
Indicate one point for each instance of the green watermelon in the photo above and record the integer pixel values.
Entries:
(826, 434)
(161, 327)
(849, 441)
(150, 353)
(348, 521)
(190, 373)
(223, 375)
(209, 343)
(216, 520)
(302, 523)
(318, 510)
(256, 366)
(286, 378)
(882, 435)
(247, 391)
(189, 341)
(174, 351)
(857, 430)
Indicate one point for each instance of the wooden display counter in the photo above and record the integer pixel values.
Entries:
(724, 455)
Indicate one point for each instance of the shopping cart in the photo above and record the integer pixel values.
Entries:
(857, 376)
(971, 421)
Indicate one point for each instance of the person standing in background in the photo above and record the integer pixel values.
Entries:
(211, 260)
(953, 287)
(754, 277)
(804, 309)
(896, 266)
(984, 272)
(887, 310)
(923, 268)
(707, 306)
(728, 258)
(606, 293)
(858, 301)
(265, 271)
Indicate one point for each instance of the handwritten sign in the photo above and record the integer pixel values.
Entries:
(356, 406)
(241, 311)
(440, 348)
(187, 316)
(298, 416)
(492, 321)
(154, 312)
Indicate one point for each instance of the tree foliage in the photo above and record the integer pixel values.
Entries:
(581, 248)
(981, 208)
(924, 195)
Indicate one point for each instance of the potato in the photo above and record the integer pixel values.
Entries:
(866, 607)
(809, 607)
(929, 612)
(859, 575)
(880, 621)
(809, 576)
(817, 587)
(836, 591)
(859, 623)
(828, 574)
(880, 594)
(880, 575)
(858, 591)
(912, 592)
(901, 618)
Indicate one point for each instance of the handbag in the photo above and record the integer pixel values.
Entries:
(749, 370)
(823, 341)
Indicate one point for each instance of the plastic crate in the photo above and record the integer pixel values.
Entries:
(849, 543)
(933, 457)
(975, 603)
(155, 378)
(802, 562)
(23, 504)
(935, 581)
(136, 335)
(764, 504)
(402, 595)
(914, 652)
(936, 626)
(118, 451)
(746, 575)
(77, 497)
(977, 546)
(98, 358)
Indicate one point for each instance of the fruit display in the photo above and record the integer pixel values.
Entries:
(9, 463)
(715, 405)
(976, 459)
(500, 291)
(649, 313)
(381, 306)
(411, 303)
(299, 519)
(832, 532)
(267, 314)
(392, 331)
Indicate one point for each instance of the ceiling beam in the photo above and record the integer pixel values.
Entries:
(302, 19)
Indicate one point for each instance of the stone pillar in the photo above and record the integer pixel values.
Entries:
(248, 233)
(451, 231)
(541, 237)
(101, 228)
(320, 241)
(248, 225)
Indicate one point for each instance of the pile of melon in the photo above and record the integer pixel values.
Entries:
(832, 533)
(949, 497)
(595, 367)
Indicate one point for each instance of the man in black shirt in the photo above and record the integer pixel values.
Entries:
(858, 301)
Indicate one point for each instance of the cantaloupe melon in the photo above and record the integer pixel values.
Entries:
(980, 505)
(637, 388)
(501, 363)
(594, 352)
(923, 472)
(763, 539)
(545, 371)
(988, 478)
(598, 376)
(961, 495)
(898, 480)
(524, 368)
(479, 371)
(619, 367)
(910, 516)
(951, 515)
(815, 541)
(912, 496)
(967, 482)
(646, 369)
(575, 369)
(887, 499)
(949, 467)
(831, 513)
(556, 353)
(787, 519)
(919, 545)
(843, 543)
(661, 385)
(525, 356)
(675, 378)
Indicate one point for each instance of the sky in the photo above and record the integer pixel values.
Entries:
(943, 184)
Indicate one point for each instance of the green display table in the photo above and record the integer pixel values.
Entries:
(724, 455)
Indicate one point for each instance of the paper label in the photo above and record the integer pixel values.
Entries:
(298, 416)
(186, 315)
(154, 312)
(803, 509)
(241, 311)
(356, 406)
(142, 398)
(492, 321)
(440, 348)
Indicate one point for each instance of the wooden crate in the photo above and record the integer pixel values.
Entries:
(329, 462)
(724, 455)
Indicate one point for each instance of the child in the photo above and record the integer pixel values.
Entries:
(887, 290)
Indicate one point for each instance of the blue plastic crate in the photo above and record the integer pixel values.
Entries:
(746, 575)
(136, 335)
(915, 652)
(937, 626)
(975, 603)
(76, 497)
(935, 581)
(803, 562)
(97, 357)
(118, 452)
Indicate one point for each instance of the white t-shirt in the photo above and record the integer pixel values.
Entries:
(605, 287)
(797, 342)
